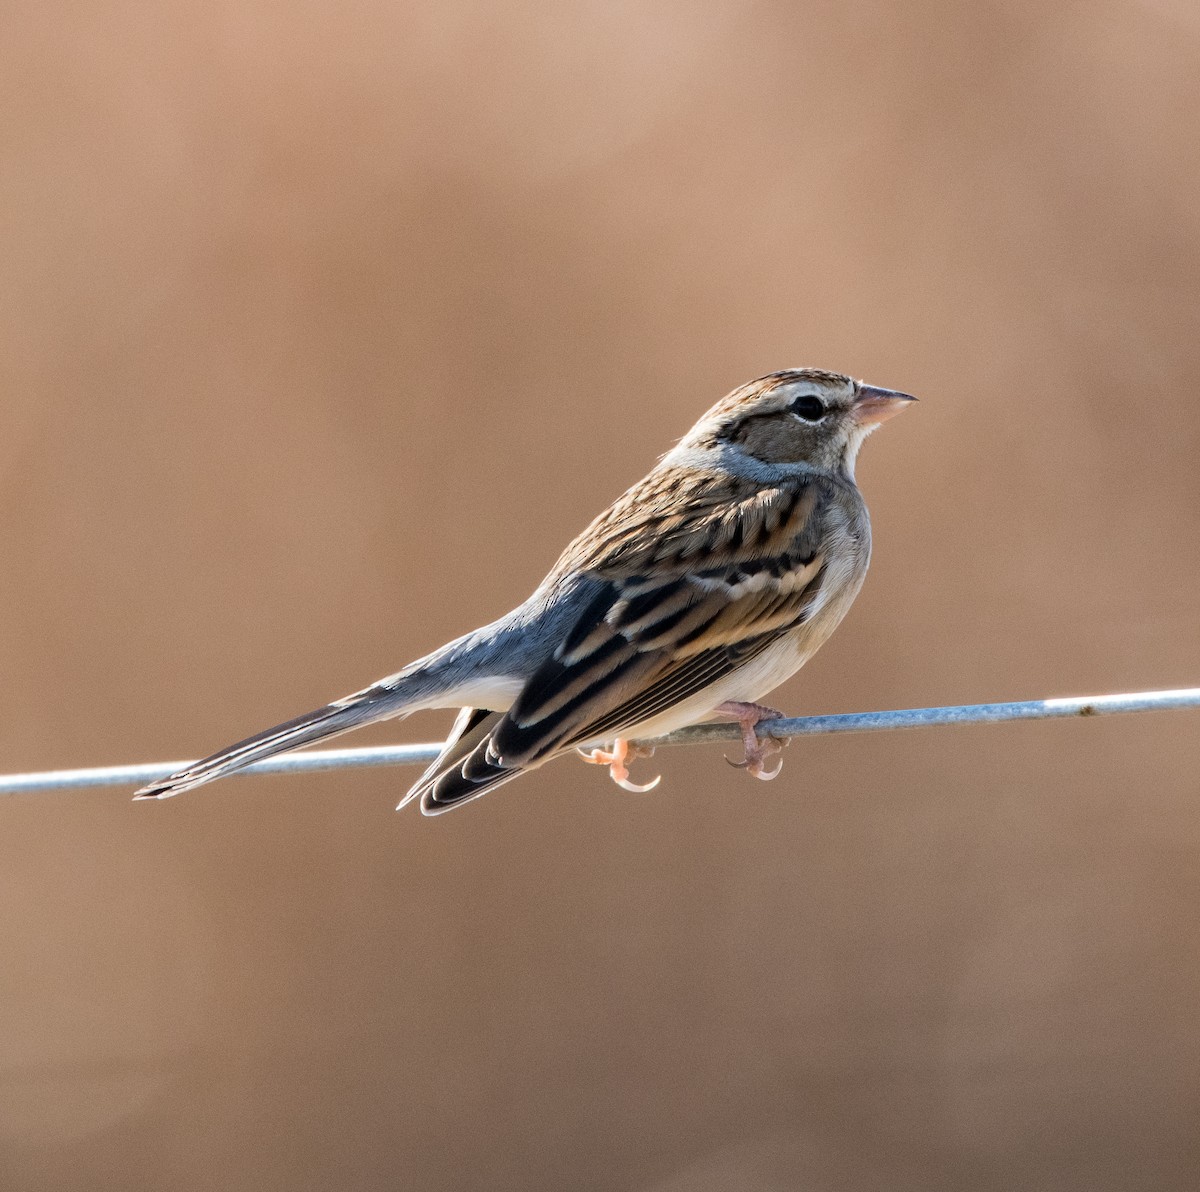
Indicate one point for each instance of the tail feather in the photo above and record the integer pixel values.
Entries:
(464, 783)
(375, 703)
(462, 771)
(470, 727)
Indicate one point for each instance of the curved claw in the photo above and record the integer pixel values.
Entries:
(616, 759)
(758, 749)
(754, 765)
(766, 775)
(626, 785)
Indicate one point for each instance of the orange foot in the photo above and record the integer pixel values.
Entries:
(758, 749)
(622, 752)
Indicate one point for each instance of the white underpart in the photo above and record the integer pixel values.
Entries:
(496, 692)
(857, 435)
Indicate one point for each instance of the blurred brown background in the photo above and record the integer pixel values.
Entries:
(323, 327)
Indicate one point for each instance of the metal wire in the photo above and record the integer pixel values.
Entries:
(858, 722)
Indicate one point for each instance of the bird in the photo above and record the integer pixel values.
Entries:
(697, 592)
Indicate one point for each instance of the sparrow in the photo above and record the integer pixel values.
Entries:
(698, 591)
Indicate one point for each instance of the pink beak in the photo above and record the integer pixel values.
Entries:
(873, 406)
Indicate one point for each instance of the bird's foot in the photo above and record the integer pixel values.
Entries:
(757, 748)
(617, 759)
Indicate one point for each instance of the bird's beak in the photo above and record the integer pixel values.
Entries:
(873, 406)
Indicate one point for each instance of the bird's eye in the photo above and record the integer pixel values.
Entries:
(811, 409)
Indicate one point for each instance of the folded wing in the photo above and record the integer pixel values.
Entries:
(679, 606)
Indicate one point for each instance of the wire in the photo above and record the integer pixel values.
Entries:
(857, 722)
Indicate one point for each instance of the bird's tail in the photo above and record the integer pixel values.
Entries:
(382, 701)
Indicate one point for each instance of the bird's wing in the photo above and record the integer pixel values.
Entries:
(678, 606)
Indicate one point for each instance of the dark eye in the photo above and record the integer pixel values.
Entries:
(811, 409)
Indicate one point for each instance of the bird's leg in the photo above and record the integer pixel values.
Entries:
(616, 760)
(758, 749)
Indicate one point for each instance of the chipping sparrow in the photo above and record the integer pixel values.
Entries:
(704, 586)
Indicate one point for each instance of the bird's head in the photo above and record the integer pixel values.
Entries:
(800, 415)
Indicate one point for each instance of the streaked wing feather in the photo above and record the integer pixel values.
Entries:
(653, 637)
(682, 601)
(678, 684)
